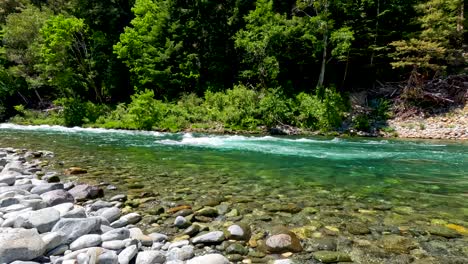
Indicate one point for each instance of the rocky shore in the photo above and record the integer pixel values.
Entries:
(46, 218)
(453, 125)
(42, 222)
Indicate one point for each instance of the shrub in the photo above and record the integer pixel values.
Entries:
(274, 107)
(144, 110)
(382, 109)
(237, 108)
(323, 112)
(74, 111)
(361, 122)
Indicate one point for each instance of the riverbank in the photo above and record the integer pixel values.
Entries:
(452, 126)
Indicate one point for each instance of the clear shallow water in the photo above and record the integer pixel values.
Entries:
(431, 177)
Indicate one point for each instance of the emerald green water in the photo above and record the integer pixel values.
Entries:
(420, 178)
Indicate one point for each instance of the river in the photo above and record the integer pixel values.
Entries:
(382, 182)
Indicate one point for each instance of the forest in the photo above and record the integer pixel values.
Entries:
(233, 64)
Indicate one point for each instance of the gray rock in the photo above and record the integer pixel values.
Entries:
(76, 212)
(43, 188)
(59, 250)
(86, 241)
(109, 257)
(150, 257)
(76, 227)
(8, 178)
(136, 233)
(57, 197)
(118, 198)
(99, 204)
(22, 181)
(181, 222)
(13, 208)
(7, 201)
(53, 239)
(287, 242)
(209, 238)
(20, 244)
(84, 192)
(43, 220)
(113, 244)
(184, 253)
(127, 254)
(238, 232)
(157, 237)
(111, 214)
(116, 234)
(128, 219)
(35, 204)
(63, 208)
(209, 259)
(179, 244)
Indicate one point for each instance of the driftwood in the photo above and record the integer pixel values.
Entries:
(416, 96)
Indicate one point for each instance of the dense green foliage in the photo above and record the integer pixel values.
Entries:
(233, 64)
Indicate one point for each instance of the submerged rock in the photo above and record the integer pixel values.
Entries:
(331, 256)
(442, 231)
(397, 244)
(281, 243)
(238, 232)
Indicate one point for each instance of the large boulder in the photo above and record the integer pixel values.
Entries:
(43, 220)
(57, 197)
(76, 227)
(85, 192)
(20, 244)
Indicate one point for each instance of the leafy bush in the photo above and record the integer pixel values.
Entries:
(74, 111)
(382, 109)
(145, 111)
(361, 122)
(237, 108)
(323, 112)
(274, 108)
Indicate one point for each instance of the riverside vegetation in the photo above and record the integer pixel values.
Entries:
(230, 66)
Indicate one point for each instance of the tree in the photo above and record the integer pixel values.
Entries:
(438, 43)
(20, 42)
(66, 59)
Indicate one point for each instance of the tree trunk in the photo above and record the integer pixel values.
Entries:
(376, 33)
(461, 18)
(324, 59)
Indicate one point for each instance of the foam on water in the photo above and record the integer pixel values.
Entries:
(336, 148)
